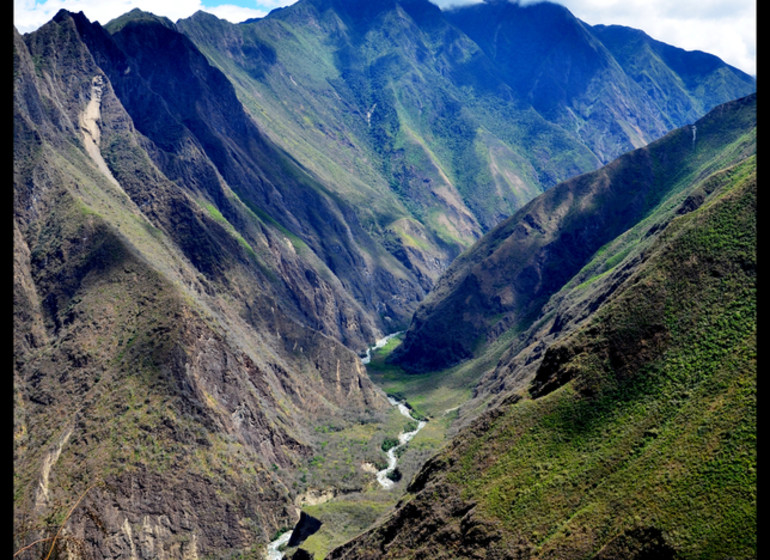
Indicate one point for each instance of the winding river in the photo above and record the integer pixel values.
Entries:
(273, 552)
(403, 439)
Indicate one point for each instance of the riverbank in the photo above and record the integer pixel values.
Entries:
(384, 476)
(274, 548)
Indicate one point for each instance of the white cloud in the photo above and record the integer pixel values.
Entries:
(271, 4)
(726, 28)
(236, 14)
(451, 3)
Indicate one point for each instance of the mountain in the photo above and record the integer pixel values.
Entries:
(617, 87)
(551, 239)
(174, 345)
(440, 124)
(686, 84)
(212, 222)
(624, 423)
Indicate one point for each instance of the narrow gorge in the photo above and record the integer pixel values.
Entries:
(214, 220)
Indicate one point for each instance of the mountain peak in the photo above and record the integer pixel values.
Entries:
(212, 221)
(137, 16)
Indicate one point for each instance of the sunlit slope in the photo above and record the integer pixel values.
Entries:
(637, 438)
(503, 283)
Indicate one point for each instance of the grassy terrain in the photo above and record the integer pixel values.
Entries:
(666, 442)
(637, 438)
(344, 518)
(433, 396)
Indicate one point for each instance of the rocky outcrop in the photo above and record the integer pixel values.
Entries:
(306, 526)
(202, 138)
(169, 366)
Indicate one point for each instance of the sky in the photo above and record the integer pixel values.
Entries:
(725, 28)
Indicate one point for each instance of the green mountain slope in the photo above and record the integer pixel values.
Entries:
(505, 281)
(196, 104)
(615, 86)
(429, 125)
(637, 437)
(684, 84)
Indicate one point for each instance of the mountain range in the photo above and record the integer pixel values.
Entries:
(213, 221)
(618, 416)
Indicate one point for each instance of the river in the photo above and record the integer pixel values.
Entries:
(272, 549)
(403, 439)
(273, 552)
(377, 345)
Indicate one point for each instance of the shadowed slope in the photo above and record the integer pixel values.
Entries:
(637, 438)
(504, 281)
(159, 350)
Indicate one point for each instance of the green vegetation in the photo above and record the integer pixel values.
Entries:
(592, 223)
(429, 395)
(395, 475)
(660, 438)
(639, 432)
(389, 443)
(344, 518)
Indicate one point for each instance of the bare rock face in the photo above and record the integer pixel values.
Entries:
(170, 362)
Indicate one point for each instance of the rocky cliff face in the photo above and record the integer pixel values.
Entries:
(169, 365)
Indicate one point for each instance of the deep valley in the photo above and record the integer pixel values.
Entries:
(549, 226)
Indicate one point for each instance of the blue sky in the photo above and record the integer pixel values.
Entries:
(726, 28)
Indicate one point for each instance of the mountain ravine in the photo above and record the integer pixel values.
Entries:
(212, 223)
(621, 423)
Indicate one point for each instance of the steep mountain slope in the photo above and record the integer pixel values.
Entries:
(615, 86)
(211, 220)
(196, 104)
(441, 124)
(637, 436)
(552, 60)
(683, 84)
(170, 359)
(551, 239)
(370, 112)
